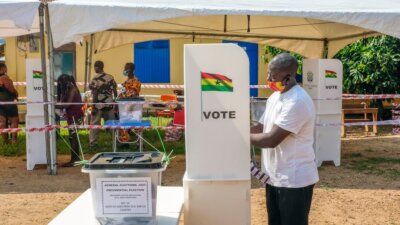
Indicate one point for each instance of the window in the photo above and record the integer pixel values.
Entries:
(152, 61)
(64, 60)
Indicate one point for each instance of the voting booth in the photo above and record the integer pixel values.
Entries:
(35, 141)
(217, 179)
(322, 79)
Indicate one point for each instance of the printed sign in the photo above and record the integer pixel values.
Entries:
(122, 196)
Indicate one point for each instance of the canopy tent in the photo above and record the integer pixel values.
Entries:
(306, 27)
(18, 17)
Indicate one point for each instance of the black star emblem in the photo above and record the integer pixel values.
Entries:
(218, 82)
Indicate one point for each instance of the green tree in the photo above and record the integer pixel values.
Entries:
(372, 66)
(270, 52)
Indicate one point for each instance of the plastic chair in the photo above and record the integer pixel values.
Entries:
(179, 118)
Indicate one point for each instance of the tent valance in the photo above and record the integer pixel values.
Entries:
(304, 26)
(18, 17)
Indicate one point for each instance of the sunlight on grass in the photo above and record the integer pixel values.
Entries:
(104, 141)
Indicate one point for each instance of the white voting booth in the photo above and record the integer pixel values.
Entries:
(217, 179)
(322, 79)
(35, 141)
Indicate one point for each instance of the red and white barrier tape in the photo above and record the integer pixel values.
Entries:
(98, 103)
(102, 127)
(176, 86)
(379, 96)
(378, 123)
(87, 127)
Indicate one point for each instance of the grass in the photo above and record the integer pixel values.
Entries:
(104, 142)
(386, 167)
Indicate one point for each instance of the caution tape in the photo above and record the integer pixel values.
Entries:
(176, 86)
(103, 127)
(87, 127)
(378, 123)
(368, 96)
(97, 103)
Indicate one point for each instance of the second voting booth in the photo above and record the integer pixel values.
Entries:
(322, 79)
(35, 141)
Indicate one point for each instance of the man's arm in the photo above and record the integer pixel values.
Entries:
(270, 139)
(114, 88)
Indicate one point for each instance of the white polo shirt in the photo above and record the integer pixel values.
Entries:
(292, 162)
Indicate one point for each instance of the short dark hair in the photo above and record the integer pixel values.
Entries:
(2, 65)
(99, 64)
(284, 61)
(131, 65)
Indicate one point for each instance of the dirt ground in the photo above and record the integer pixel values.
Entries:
(365, 189)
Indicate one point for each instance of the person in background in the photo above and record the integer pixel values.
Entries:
(68, 92)
(285, 133)
(8, 113)
(104, 90)
(131, 88)
(132, 85)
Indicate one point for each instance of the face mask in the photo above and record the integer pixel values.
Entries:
(276, 86)
(125, 73)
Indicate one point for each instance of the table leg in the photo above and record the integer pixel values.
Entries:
(114, 138)
(343, 131)
(141, 141)
(375, 118)
(366, 126)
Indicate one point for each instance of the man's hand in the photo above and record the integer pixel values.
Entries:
(256, 128)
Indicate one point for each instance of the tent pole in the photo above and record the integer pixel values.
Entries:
(225, 22)
(190, 33)
(90, 57)
(86, 65)
(325, 49)
(44, 84)
(51, 93)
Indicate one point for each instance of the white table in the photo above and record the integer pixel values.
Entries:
(80, 211)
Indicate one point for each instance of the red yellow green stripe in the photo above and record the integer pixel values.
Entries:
(215, 82)
(37, 74)
(330, 74)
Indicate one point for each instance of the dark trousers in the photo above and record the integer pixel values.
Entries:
(288, 206)
(73, 140)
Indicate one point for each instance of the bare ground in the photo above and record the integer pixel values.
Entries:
(365, 189)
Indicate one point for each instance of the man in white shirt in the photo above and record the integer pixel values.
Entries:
(286, 134)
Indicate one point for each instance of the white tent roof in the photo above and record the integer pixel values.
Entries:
(18, 17)
(301, 26)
